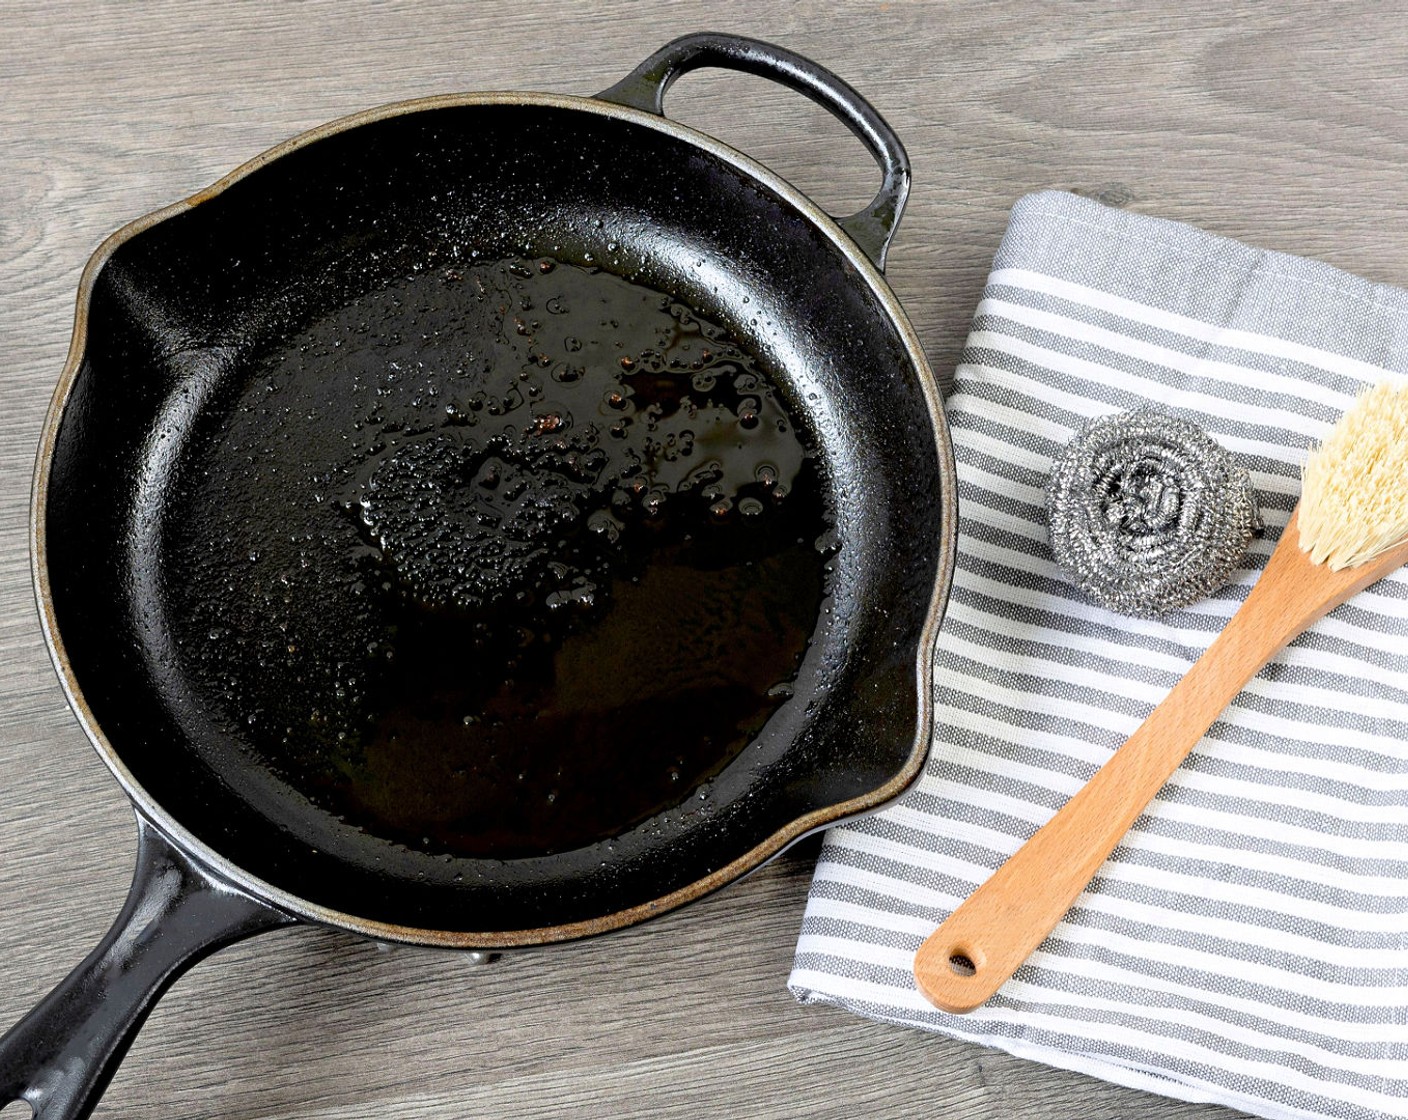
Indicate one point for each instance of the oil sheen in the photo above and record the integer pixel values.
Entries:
(497, 560)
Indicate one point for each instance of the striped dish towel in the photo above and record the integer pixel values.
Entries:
(1248, 942)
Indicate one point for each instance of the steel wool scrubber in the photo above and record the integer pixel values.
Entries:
(1148, 513)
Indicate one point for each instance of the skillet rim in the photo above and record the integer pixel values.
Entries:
(149, 808)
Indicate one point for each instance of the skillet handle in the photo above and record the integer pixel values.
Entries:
(871, 227)
(61, 1056)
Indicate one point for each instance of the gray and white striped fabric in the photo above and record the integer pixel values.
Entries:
(1248, 943)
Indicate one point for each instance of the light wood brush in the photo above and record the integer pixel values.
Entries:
(1349, 530)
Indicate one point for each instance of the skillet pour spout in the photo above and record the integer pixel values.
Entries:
(328, 259)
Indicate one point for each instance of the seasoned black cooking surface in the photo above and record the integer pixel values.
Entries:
(524, 553)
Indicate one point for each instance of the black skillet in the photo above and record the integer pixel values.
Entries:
(170, 310)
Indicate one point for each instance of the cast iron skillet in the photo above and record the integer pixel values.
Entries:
(169, 309)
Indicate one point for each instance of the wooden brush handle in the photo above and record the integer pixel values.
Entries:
(987, 938)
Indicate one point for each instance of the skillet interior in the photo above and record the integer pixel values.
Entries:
(180, 311)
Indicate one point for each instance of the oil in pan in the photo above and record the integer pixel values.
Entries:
(530, 554)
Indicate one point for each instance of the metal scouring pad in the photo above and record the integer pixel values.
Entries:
(1148, 513)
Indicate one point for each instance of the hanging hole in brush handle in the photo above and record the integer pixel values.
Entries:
(60, 1057)
(873, 226)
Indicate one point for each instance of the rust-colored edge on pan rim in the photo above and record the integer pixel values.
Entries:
(147, 806)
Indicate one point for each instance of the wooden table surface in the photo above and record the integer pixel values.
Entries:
(1285, 125)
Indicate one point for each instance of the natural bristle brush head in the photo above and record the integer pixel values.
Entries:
(1354, 487)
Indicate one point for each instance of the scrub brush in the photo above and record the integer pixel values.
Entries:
(1349, 530)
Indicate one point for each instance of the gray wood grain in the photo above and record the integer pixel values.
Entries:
(1282, 124)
